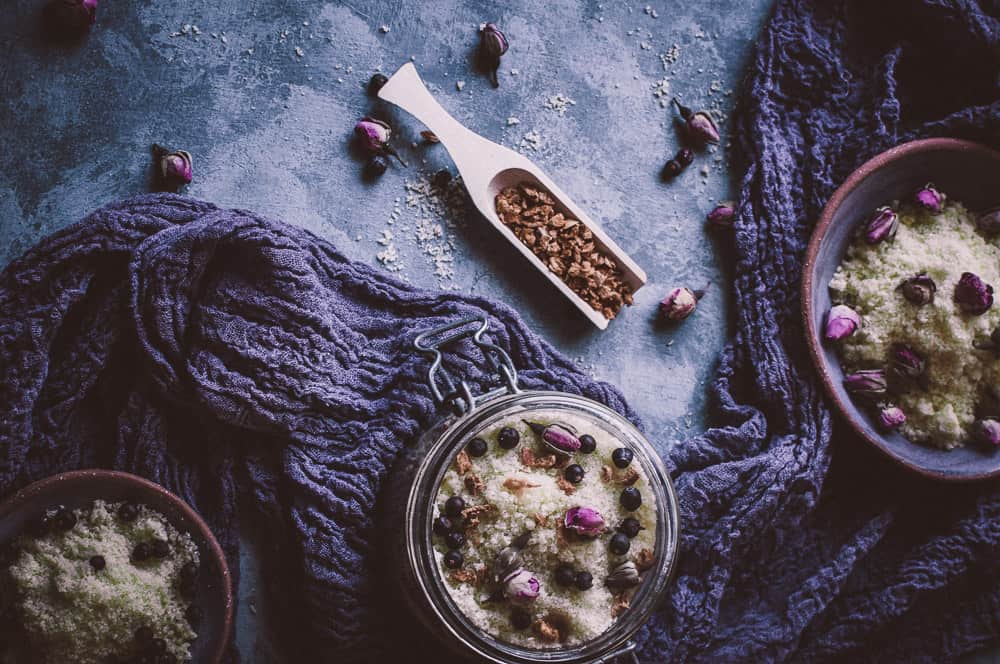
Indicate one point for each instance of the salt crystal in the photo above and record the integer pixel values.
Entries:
(299, 52)
(459, 85)
(384, 29)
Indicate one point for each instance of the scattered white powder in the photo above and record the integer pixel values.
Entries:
(299, 52)
(531, 140)
(459, 85)
(74, 614)
(384, 29)
(944, 245)
(511, 121)
(588, 612)
(559, 103)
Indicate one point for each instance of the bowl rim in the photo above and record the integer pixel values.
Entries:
(805, 294)
(19, 499)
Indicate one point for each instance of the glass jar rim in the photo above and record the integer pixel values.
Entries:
(419, 546)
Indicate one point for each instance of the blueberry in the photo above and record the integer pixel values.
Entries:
(453, 559)
(630, 499)
(443, 525)
(565, 575)
(128, 512)
(376, 82)
(508, 438)
(454, 506)
(630, 527)
(98, 563)
(454, 540)
(477, 447)
(587, 443)
(622, 457)
(574, 473)
(194, 615)
(159, 548)
(584, 581)
(520, 619)
(144, 635)
(141, 552)
(619, 544)
(375, 167)
(64, 519)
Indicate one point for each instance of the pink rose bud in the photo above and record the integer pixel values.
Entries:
(973, 295)
(723, 215)
(919, 289)
(521, 586)
(891, 417)
(987, 432)
(869, 384)
(929, 198)
(584, 521)
(841, 322)
(700, 125)
(882, 226)
(373, 135)
(680, 303)
(174, 168)
(557, 436)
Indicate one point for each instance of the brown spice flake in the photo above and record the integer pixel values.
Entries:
(567, 487)
(464, 575)
(529, 459)
(474, 485)
(545, 631)
(472, 515)
(516, 485)
(565, 246)
(540, 519)
(606, 474)
(644, 560)
(628, 478)
(561, 540)
(462, 462)
(620, 606)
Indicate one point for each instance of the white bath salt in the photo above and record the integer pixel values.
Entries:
(386, 238)
(515, 72)
(459, 85)
(645, 45)
(531, 140)
(299, 52)
(661, 91)
(670, 58)
(384, 29)
(559, 103)
(512, 120)
(75, 613)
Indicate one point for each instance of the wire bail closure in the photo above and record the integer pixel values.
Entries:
(460, 398)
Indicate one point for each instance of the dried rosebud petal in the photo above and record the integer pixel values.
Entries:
(973, 295)
(680, 303)
(882, 226)
(559, 437)
(173, 168)
(869, 384)
(700, 125)
(919, 289)
(492, 44)
(841, 322)
(67, 18)
(906, 362)
(624, 576)
(723, 215)
(521, 586)
(584, 521)
(987, 432)
(989, 222)
(891, 417)
(508, 561)
(929, 198)
(372, 134)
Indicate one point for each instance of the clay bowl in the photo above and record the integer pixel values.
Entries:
(967, 172)
(76, 489)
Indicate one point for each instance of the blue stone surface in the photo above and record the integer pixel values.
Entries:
(265, 94)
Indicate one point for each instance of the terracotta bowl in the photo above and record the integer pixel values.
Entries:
(967, 172)
(76, 489)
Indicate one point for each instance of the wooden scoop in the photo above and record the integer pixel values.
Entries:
(487, 168)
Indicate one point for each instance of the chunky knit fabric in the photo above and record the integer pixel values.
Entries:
(248, 366)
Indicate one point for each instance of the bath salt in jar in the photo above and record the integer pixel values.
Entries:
(529, 526)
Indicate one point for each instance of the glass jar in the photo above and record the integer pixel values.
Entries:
(418, 475)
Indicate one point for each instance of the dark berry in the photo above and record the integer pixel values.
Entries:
(194, 615)
(376, 82)
(685, 156)
(144, 635)
(441, 178)
(520, 619)
(128, 512)
(619, 544)
(574, 473)
(375, 166)
(454, 540)
(508, 438)
(672, 169)
(189, 572)
(454, 506)
(141, 552)
(622, 457)
(477, 447)
(565, 575)
(64, 519)
(443, 525)
(453, 559)
(98, 563)
(584, 581)
(159, 548)
(630, 499)
(630, 527)
(587, 443)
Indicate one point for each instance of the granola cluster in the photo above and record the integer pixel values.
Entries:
(566, 246)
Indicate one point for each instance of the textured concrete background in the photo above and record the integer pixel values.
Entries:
(264, 93)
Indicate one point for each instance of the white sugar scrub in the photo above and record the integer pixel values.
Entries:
(515, 492)
(957, 382)
(105, 583)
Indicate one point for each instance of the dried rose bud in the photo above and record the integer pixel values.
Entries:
(559, 437)
(906, 362)
(373, 135)
(973, 295)
(624, 576)
(69, 18)
(584, 521)
(987, 432)
(869, 384)
(723, 215)
(919, 289)
(882, 226)
(989, 222)
(993, 344)
(680, 303)
(841, 322)
(521, 586)
(492, 44)
(508, 561)
(700, 125)
(929, 198)
(174, 168)
(891, 417)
